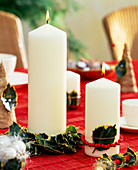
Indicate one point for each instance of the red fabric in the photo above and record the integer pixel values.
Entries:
(75, 117)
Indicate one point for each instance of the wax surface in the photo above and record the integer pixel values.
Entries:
(73, 81)
(47, 80)
(102, 108)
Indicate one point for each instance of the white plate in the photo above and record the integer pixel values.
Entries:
(18, 78)
(124, 126)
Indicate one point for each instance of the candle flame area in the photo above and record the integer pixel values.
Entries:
(47, 16)
(103, 69)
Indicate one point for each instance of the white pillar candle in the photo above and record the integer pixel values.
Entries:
(73, 81)
(47, 80)
(102, 108)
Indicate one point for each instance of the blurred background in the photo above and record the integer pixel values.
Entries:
(81, 19)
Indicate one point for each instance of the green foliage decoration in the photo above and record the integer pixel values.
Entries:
(132, 157)
(41, 143)
(118, 160)
(106, 162)
(104, 135)
(9, 97)
(33, 11)
(14, 129)
(121, 68)
(73, 99)
(11, 164)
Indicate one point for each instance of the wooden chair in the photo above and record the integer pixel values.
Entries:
(11, 38)
(122, 27)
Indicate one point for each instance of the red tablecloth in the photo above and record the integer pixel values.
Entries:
(75, 117)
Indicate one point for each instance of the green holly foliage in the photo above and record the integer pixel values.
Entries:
(41, 143)
(105, 156)
(121, 68)
(132, 157)
(123, 161)
(40, 137)
(107, 162)
(12, 164)
(14, 129)
(120, 158)
(73, 99)
(104, 135)
(71, 129)
(9, 97)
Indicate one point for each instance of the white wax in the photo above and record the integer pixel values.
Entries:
(73, 81)
(102, 108)
(47, 47)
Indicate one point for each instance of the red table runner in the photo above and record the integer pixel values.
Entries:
(77, 160)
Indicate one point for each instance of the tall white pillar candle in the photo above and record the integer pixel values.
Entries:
(47, 80)
(102, 108)
(73, 82)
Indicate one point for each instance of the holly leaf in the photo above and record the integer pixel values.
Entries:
(64, 144)
(32, 148)
(132, 152)
(74, 93)
(14, 129)
(104, 135)
(107, 162)
(12, 164)
(121, 68)
(41, 137)
(61, 140)
(132, 157)
(24, 129)
(71, 129)
(105, 155)
(9, 97)
(26, 136)
(52, 145)
(121, 159)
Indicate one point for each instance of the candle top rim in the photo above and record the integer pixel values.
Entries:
(46, 30)
(130, 102)
(72, 74)
(103, 83)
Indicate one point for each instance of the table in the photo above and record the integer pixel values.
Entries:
(77, 160)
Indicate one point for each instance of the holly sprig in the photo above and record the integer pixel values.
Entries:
(41, 143)
(117, 161)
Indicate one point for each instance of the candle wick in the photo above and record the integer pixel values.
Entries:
(47, 21)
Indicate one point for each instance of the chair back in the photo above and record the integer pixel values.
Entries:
(122, 27)
(11, 38)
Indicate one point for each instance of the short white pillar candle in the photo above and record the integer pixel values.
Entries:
(73, 81)
(73, 90)
(102, 108)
